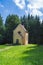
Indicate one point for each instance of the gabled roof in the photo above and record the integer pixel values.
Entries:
(22, 27)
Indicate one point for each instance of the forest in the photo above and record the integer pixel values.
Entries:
(32, 24)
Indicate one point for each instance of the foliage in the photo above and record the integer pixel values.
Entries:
(11, 22)
(1, 31)
(41, 33)
(32, 24)
(34, 28)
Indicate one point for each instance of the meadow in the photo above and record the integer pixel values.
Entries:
(21, 55)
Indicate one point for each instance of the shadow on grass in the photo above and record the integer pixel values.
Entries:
(11, 44)
(33, 56)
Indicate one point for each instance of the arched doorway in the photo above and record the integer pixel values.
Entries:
(17, 41)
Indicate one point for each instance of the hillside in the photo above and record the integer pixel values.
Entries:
(21, 55)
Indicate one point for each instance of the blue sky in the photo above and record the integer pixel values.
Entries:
(21, 7)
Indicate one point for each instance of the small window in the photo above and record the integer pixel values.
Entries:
(19, 32)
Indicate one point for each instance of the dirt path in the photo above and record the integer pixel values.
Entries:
(5, 48)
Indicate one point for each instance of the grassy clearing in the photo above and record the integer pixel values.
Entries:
(2, 46)
(22, 55)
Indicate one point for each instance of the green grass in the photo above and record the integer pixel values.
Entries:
(22, 55)
(2, 46)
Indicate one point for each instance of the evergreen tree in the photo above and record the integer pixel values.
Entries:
(11, 22)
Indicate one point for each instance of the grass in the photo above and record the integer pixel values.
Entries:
(22, 55)
(2, 46)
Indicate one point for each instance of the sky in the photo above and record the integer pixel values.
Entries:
(21, 7)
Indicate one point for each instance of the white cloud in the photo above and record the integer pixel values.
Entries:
(36, 12)
(34, 6)
(31, 8)
(26, 11)
(36, 3)
(20, 3)
(1, 5)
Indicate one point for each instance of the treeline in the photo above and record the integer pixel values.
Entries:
(32, 24)
(34, 28)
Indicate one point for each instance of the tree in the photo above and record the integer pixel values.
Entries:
(11, 22)
(1, 21)
(24, 21)
(1, 30)
(34, 29)
(32, 24)
(41, 33)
